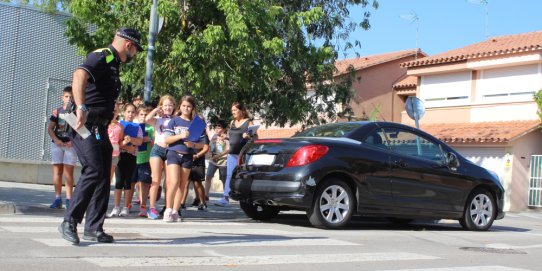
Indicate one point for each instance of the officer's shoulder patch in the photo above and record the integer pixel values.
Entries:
(107, 53)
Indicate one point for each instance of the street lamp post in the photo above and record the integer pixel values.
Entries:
(153, 29)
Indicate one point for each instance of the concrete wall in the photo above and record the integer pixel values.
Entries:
(41, 173)
(523, 148)
(24, 172)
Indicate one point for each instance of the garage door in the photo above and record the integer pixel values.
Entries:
(493, 159)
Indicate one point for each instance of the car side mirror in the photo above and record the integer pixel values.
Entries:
(452, 160)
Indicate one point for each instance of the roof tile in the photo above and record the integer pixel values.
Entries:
(480, 132)
(500, 45)
(363, 62)
(407, 81)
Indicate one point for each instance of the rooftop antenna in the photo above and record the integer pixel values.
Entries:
(486, 4)
(413, 18)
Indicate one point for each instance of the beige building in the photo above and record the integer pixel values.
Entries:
(373, 82)
(374, 78)
(479, 99)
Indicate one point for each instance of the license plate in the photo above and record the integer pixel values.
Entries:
(261, 159)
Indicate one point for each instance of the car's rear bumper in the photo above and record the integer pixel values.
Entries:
(270, 192)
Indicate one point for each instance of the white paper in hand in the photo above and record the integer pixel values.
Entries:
(252, 129)
(71, 119)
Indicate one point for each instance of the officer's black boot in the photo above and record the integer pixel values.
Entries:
(68, 229)
(98, 236)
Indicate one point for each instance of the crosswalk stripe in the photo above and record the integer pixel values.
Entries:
(466, 268)
(535, 216)
(119, 221)
(161, 230)
(219, 241)
(254, 260)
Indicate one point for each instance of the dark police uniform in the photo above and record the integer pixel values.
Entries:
(95, 152)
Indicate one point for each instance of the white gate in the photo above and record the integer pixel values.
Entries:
(535, 182)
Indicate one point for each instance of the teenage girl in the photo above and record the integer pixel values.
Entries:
(179, 157)
(159, 119)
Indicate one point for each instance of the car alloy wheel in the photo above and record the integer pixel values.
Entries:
(332, 206)
(480, 211)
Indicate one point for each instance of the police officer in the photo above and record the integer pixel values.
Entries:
(96, 86)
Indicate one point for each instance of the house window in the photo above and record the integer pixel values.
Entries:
(510, 84)
(446, 89)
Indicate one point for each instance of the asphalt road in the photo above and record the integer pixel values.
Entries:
(224, 239)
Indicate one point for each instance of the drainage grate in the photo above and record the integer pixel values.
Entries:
(493, 250)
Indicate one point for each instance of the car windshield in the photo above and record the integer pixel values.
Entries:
(330, 130)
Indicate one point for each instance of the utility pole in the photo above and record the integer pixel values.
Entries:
(153, 29)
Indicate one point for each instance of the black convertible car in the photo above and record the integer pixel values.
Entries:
(382, 169)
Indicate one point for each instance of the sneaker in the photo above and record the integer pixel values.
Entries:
(195, 202)
(222, 202)
(57, 204)
(168, 217)
(202, 207)
(125, 211)
(137, 202)
(152, 213)
(67, 204)
(143, 212)
(176, 216)
(115, 212)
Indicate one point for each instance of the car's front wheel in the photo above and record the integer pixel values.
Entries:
(259, 212)
(480, 211)
(333, 205)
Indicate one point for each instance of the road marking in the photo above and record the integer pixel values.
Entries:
(466, 268)
(161, 231)
(120, 221)
(218, 241)
(507, 246)
(254, 260)
(535, 216)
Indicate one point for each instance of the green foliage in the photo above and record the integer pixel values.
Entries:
(538, 100)
(275, 56)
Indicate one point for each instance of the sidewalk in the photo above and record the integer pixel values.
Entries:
(22, 198)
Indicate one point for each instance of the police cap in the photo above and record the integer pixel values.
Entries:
(131, 35)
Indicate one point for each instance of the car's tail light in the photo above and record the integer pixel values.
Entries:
(306, 155)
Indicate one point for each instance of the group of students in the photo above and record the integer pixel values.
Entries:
(150, 141)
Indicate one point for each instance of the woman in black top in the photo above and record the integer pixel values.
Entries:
(238, 137)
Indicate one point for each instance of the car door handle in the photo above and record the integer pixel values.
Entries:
(400, 163)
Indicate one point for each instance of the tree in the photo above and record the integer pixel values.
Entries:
(538, 100)
(275, 56)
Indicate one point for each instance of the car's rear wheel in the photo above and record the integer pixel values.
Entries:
(259, 212)
(480, 211)
(333, 205)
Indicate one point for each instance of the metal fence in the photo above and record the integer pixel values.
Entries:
(535, 182)
(36, 63)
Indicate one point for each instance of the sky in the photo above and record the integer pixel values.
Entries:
(443, 24)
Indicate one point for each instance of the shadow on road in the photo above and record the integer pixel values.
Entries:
(377, 223)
